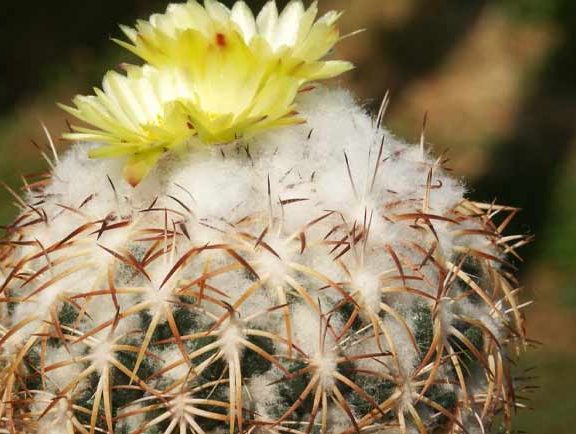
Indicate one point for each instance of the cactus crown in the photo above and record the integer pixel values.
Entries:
(319, 278)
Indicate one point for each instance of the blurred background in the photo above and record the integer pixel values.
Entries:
(496, 77)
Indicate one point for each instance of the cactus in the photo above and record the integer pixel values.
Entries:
(317, 276)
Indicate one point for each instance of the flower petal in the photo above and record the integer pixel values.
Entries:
(139, 165)
(289, 24)
(244, 18)
(267, 21)
(217, 11)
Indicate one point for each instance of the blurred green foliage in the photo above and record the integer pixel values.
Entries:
(43, 40)
(552, 406)
(561, 231)
(558, 240)
(541, 10)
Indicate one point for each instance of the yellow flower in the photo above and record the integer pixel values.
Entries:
(292, 38)
(213, 75)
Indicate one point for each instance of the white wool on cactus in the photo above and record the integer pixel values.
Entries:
(323, 277)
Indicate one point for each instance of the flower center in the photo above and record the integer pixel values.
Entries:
(221, 40)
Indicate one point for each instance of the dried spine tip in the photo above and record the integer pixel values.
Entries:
(289, 291)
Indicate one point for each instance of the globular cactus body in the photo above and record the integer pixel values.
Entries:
(319, 278)
(324, 277)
